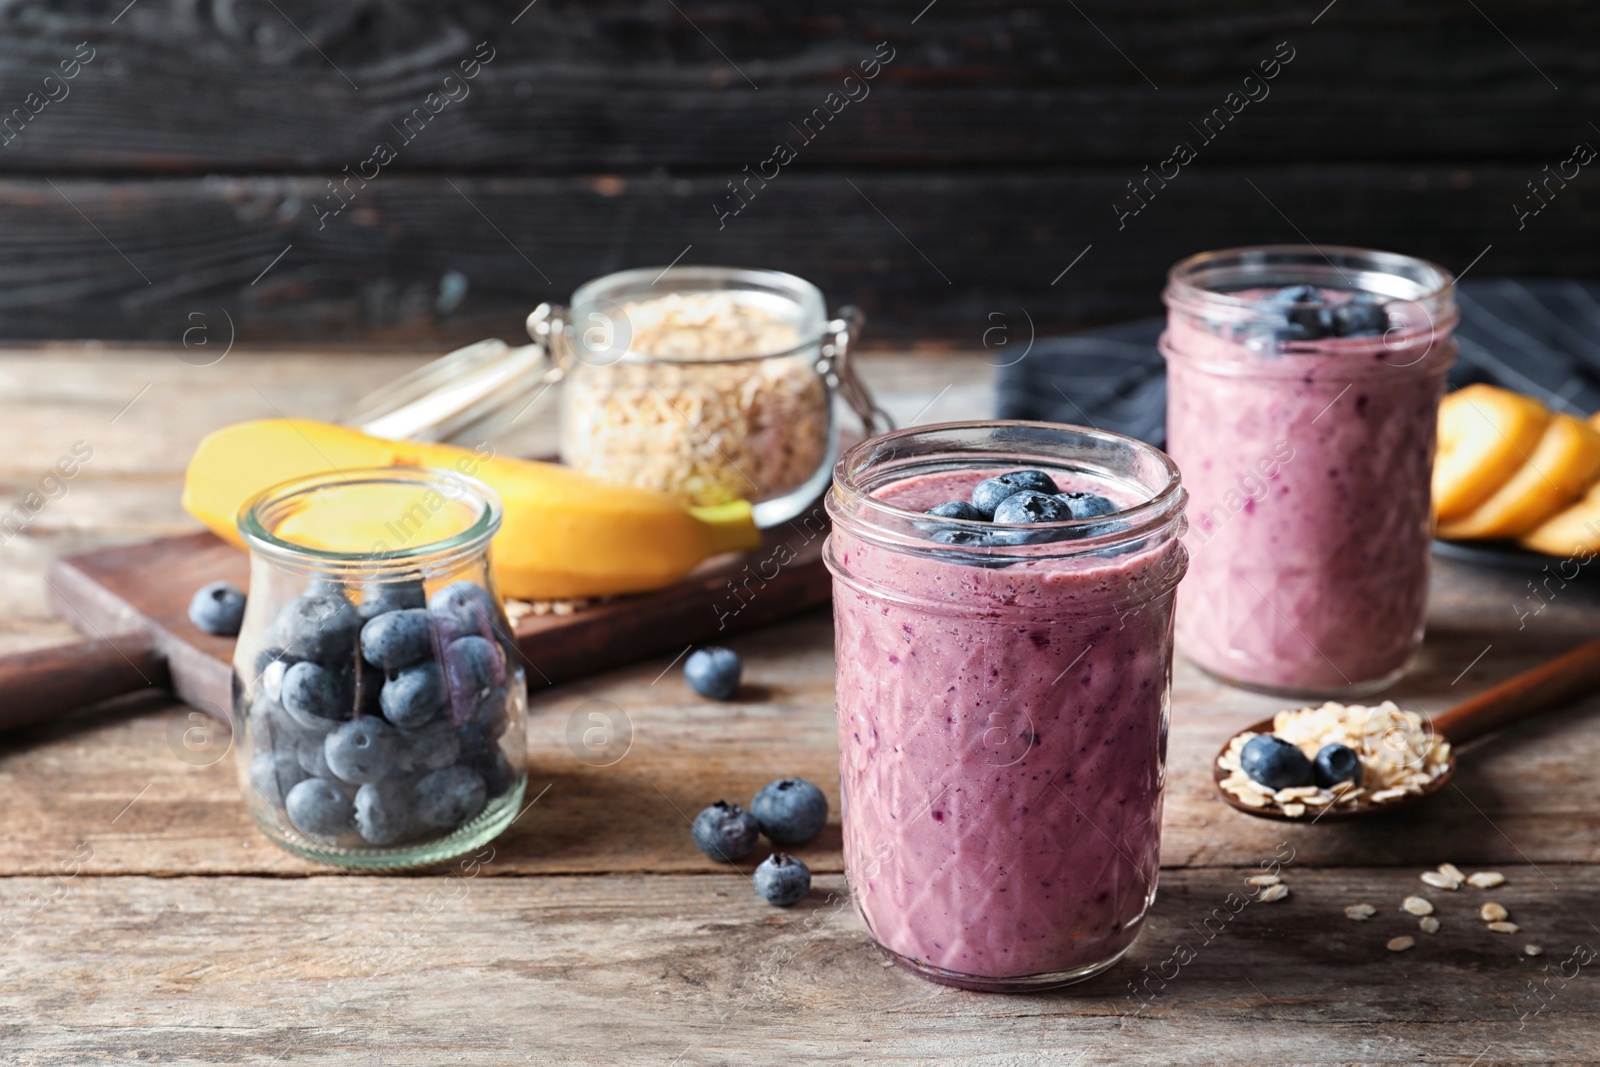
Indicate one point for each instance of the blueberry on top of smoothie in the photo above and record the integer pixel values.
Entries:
(1292, 331)
(1274, 762)
(1029, 506)
(957, 509)
(1362, 316)
(1309, 317)
(1087, 505)
(987, 494)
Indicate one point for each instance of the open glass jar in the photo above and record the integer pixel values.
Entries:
(1303, 388)
(379, 699)
(709, 383)
(1003, 700)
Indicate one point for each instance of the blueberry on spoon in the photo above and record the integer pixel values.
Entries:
(1275, 763)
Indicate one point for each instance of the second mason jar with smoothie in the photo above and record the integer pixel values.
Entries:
(1302, 393)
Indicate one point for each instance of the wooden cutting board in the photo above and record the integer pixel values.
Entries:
(136, 597)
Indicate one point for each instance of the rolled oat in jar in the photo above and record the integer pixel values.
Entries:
(710, 383)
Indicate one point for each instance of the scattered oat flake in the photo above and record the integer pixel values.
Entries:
(1450, 870)
(1492, 912)
(1532, 950)
(1429, 924)
(1440, 881)
(1360, 911)
(1417, 905)
(1487, 879)
(1272, 893)
(1400, 944)
(1262, 880)
(1504, 927)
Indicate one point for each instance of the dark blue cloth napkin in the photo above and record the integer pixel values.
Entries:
(1540, 337)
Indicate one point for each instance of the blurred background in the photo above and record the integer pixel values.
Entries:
(419, 173)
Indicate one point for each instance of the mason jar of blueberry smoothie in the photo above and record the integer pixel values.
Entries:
(1303, 386)
(1003, 610)
(379, 699)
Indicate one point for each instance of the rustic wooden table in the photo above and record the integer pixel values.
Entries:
(143, 918)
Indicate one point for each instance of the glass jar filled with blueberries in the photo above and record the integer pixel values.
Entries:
(379, 699)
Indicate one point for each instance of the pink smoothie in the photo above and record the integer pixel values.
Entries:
(1309, 517)
(1002, 736)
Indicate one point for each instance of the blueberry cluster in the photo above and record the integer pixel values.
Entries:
(1307, 315)
(1277, 764)
(790, 811)
(385, 718)
(1018, 498)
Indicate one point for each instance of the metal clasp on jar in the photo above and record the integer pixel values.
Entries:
(836, 369)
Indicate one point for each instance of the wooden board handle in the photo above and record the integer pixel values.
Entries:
(46, 682)
(1549, 685)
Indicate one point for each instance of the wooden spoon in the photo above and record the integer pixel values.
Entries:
(1549, 685)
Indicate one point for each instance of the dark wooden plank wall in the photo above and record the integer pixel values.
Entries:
(197, 141)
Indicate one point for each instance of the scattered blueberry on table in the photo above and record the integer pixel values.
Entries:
(782, 880)
(218, 609)
(790, 811)
(714, 672)
(1275, 763)
(725, 832)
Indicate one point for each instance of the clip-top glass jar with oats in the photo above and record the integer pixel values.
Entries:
(710, 383)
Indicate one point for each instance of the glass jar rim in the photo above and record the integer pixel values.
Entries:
(1429, 283)
(697, 278)
(257, 517)
(851, 504)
